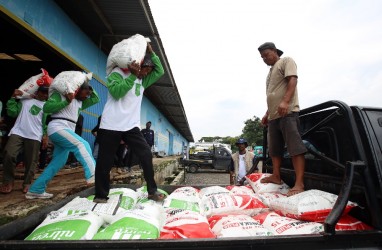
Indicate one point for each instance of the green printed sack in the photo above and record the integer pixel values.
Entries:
(67, 225)
(143, 194)
(133, 224)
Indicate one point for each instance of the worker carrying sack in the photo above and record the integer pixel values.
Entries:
(127, 51)
(69, 82)
(30, 86)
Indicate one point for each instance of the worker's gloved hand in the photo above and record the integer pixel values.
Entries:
(241, 182)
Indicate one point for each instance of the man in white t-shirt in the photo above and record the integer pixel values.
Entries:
(64, 110)
(121, 121)
(25, 136)
(242, 161)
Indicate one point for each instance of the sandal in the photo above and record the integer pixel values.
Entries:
(157, 196)
(6, 188)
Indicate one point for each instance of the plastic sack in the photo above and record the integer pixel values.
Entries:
(236, 226)
(255, 181)
(208, 191)
(181, 201)
(266, 198)
(348, 222)
(183, 224)
(186, 191)
(67, 225)
(226, 203)
(69, 81)
(280, 225)
(125, 52)
(143, 194)
(312, 205)
(132, 224)
(247, 190)
(31, 85)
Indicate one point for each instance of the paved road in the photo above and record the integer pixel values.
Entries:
(209, 177)
(206, 177)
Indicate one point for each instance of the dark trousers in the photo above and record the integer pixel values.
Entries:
(109, 141)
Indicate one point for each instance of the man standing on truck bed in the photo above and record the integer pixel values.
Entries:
(282, 115)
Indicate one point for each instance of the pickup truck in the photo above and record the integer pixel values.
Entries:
(344, 158)
(219, 158)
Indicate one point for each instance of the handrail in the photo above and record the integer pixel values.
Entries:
(342, 200)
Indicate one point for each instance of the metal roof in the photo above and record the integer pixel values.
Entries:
(107, 22)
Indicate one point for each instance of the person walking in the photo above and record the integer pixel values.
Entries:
(64, 112)
(121, 121)
(25, 136)
(282, 116)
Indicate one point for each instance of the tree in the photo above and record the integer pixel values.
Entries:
(253, 131)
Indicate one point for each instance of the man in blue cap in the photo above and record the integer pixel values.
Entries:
(241, 162)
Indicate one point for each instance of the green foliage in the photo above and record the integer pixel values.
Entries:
(253, 131)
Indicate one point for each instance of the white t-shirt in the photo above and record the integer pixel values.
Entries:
(125, 113)
(29, 121)
(242, 171)
(70, 112)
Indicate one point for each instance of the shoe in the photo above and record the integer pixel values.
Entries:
(91, 180)
(157, 196)
(44, 195)
(99, 200)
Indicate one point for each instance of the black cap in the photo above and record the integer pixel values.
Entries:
(43, 88)
(270, 45)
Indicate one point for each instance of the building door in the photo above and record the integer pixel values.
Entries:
(170, 143)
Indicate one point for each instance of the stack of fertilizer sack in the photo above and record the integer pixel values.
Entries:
(256, 210)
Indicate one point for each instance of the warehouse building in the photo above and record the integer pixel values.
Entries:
(67, 35)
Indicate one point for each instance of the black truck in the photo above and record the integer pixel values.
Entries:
(344, 158)
(218, 158)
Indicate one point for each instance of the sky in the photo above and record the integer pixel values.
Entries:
(211, 46)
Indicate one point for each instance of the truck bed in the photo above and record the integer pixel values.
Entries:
(12, 236)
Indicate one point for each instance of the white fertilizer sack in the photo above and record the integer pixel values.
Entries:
(266, 198)
(186, 191)
(181, 201)
(67, 225)
(236, 226)
(181, 224)
(207, 191)
(69, 81)
(133, 224)
(226, 203)
(311, 205)
(255, 181)
(105, 210)
(125, 52)
(31, 85)
(280, 225)
(247, 190)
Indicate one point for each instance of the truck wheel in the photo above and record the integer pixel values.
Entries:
(193, 168)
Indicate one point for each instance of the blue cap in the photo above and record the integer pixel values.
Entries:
(242, 141)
